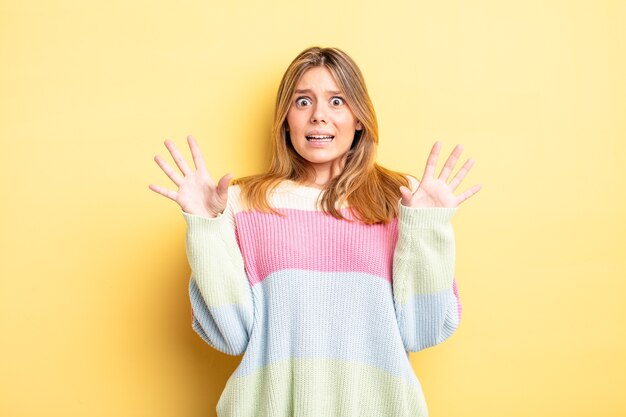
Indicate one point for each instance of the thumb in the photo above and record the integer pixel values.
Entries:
(222, 186)
(407, 196)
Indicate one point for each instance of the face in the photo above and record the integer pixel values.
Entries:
(321, 124)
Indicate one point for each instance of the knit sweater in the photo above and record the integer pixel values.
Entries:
(325, 311)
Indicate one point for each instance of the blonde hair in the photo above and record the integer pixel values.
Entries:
(371, 191)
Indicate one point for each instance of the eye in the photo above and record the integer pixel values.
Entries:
(303, 102)
(336, 101)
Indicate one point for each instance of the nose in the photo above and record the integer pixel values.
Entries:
(319, 113)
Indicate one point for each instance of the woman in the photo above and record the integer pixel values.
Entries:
(325, 271)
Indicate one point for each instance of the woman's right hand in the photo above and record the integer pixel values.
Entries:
(197, 193)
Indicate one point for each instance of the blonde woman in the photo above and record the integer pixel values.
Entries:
(328, 269)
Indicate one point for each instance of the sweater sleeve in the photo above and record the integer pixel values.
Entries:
(219, 290)
(424, 286)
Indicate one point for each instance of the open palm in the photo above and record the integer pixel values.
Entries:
(197, 192)
(437, 192)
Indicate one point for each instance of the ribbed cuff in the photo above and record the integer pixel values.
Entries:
(425, 217)
(201, 225)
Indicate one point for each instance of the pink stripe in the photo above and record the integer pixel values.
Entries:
(313, 240)
(456, 294)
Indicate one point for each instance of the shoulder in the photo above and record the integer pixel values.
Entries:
(234, 198)
(234, 192)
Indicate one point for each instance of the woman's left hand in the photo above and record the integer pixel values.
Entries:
(436, 192)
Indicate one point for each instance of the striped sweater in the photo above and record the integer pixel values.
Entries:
(325, 311)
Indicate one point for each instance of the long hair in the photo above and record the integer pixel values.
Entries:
(370, 190)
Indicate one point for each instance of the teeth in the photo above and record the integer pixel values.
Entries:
(320, 137)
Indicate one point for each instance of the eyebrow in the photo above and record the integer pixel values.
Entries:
(310, 91)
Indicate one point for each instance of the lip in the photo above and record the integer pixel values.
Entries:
(319, 133)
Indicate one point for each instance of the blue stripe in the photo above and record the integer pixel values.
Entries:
(333, 315)
(428, 319)
(224, 327)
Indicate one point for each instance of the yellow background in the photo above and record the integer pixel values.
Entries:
(94, 314)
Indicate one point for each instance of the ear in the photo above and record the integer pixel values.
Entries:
(359, 126)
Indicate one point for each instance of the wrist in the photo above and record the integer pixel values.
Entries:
(202, 213)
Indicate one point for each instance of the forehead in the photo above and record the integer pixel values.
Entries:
(318, 79)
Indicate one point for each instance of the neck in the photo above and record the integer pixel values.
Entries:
(322, 174)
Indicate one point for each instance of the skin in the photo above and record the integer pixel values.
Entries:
(437, 191)
(317, 106)
(197, 192)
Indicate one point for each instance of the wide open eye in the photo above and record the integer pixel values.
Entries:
(303, 102)
(336, 101)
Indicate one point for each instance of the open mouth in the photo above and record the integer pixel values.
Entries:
(319, 138)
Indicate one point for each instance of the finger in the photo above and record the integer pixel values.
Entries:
(467, 194)
(461, 174)
(222, 186)
(171, 173)
(198, 160)
(163, 191)
(451, 162)
(407, 196)
(431, 163)
(178, 158)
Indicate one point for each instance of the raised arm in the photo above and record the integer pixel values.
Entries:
(219, 291)
(425, 293)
